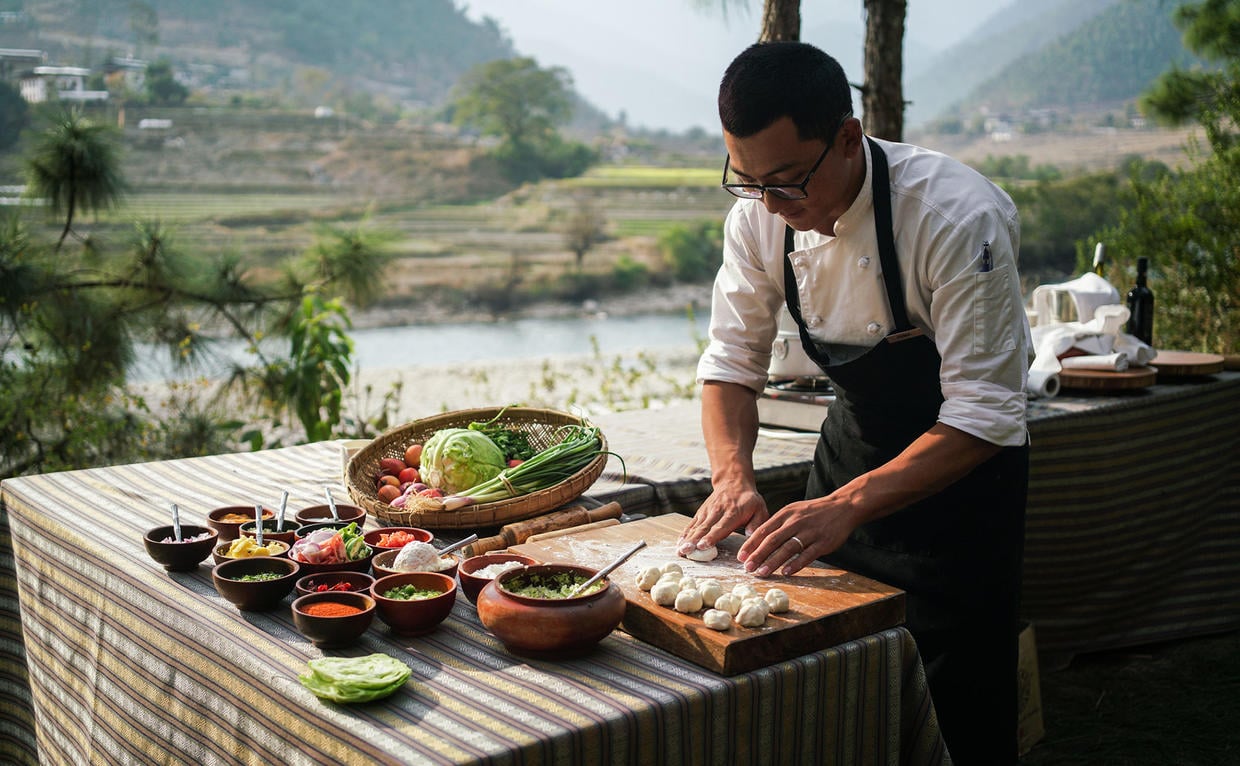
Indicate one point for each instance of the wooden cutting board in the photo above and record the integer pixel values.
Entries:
(1105, 380)
(1179, 364)
(829, 606)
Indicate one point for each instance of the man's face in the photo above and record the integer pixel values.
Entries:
(777, 156)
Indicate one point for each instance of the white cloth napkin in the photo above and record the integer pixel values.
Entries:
(1116, 362)
(1100, 338)
(1089, 292)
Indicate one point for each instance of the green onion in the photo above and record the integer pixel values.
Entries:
(579, 445)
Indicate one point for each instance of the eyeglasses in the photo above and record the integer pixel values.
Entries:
(783, 191)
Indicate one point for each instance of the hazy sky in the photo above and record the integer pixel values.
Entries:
(659, 61)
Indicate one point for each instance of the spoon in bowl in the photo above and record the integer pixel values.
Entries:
(176, 522)
(454, 547)
(258, 525)
(283, 508)
(331, 503)
(608, 569)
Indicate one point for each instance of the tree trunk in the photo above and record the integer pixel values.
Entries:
(882, 95)
(781, 21)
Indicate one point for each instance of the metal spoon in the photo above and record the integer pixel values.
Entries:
(458, 545)
(283, 508)
(331, 503)
(608, 569)
(258, 525)
(176, 522)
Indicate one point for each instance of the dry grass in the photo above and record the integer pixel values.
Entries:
(1173, 704)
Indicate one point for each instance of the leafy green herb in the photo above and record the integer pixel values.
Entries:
(355, 679)
(513, 443)
(410, 593)
(558, 585)
(259, 577)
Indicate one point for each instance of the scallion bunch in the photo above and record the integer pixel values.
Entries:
(577, 447)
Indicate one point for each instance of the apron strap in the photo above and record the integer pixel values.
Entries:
(884, 229)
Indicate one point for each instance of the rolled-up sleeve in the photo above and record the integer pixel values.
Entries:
(744, 308)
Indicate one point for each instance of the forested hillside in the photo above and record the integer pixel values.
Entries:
(412, 50)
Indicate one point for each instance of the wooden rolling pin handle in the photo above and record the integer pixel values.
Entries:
(485, 545)
(518, 531)
(572, 530)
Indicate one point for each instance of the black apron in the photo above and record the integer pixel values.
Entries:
(957, 555)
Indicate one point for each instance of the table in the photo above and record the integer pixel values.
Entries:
(127, 662)
(1133, 517)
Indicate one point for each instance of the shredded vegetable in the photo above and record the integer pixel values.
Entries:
(577, 447)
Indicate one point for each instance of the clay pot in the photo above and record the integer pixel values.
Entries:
(550, 628)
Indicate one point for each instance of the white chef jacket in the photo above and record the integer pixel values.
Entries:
(942, 211)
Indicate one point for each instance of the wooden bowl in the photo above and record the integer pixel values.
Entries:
(472, 584)
(316, 513)
(184, 556)
(372, 537)
(359, 582)
(227, 520)
(334, 632)
(549, 628)
(255, 596)
(269, 531)
(414, 617)
(219, 556)
(382, 564)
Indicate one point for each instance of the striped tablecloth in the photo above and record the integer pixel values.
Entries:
(129, 663)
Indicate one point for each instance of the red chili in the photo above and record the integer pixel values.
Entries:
(342, 586)
(329, 609)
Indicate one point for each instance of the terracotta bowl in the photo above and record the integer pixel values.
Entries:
(334, 632)
(382, 564)
(372, 537)
(269, 531)
(228, 519)
(255, 596)
(359, 582)
(183, 556)
(550, 628)
(471, 584)
(414, 617)
(218, 556)
(316, 513)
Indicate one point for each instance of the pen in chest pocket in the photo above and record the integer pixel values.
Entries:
(987, 263)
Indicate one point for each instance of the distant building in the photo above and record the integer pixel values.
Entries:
(66, 83)
(13, 61)
(130, 71)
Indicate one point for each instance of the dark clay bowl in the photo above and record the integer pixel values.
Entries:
(413, 617)
(334, 632)
(360, 565)
(255, 596)
(229, 530)
(471, 584)
(316, 513)
(217, 554)
(382, 564)
(269, 530)
(182, 556)
(359, 582)
(372, 537)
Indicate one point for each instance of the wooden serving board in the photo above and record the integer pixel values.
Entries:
(1105, 380)
(1179, 364)
(829, 606)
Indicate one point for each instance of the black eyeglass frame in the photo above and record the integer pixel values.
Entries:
(783, 191)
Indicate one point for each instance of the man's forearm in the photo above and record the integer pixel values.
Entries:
(730, 429)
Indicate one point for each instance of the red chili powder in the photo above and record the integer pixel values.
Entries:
(329, 609)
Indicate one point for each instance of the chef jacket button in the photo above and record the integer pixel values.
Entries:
(800, 262)
(873, 327)
(863, 262)
(813, 321)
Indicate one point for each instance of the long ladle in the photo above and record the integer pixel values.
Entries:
(608, 569)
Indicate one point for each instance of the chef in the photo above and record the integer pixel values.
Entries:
(899, 266)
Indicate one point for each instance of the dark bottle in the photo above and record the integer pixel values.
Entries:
(1141, 306)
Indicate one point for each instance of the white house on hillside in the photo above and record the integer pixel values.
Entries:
(67, 83)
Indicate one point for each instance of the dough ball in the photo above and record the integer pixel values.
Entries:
(688, 601)
(751, 615)
(711, 590)
(778, 600)
(672, 566)
(757, 601)
(745, 590)
(670, 577)
(716, 619)
(688, 583)
(728, 602)
(664, 592)
(708, 554)
(648, 577)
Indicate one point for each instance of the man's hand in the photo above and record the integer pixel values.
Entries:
(727, 509)
(799, 533)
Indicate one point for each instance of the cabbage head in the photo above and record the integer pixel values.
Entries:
(455, 459)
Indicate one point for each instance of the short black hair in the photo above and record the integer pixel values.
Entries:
(768, 81)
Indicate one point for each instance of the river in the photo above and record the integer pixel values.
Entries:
(467, 342)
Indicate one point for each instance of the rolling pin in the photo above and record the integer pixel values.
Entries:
(518, 531)
(572, 530)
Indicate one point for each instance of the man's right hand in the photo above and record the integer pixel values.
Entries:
(726, 510)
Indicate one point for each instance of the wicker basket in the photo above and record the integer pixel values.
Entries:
(541, 425)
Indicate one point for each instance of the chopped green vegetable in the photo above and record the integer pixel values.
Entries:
(410, 593)
(558, 585)
(259, 577)
(577, 447)
(355, 547)
(513, 443)
(355, 679)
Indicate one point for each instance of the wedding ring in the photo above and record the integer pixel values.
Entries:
(797, 540)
